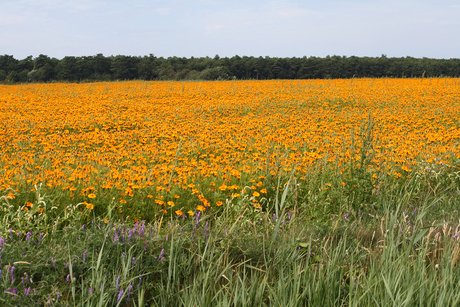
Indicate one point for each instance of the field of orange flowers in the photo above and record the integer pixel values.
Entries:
(187, 146)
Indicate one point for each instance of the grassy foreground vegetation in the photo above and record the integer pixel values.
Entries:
(401, 249)
(231, 194)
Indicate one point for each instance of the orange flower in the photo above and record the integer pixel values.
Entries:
(92, 195)
(219, 203)
(200, 208)
(171, 203)
(190, 213)
(178, 212)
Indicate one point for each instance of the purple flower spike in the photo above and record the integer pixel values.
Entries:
(26, 291)
(11, 273)
(90, 291)
(161, 254)
(129, 292)
(346, 217)
(117, 283)
(53, 262)
(28, 237)
(120, 294)
(84, 256)
(130, 234)
(40, 237)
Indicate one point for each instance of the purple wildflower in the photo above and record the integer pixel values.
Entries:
(455, 236)
(40, 237)
(24, 254)
(84, 256)
(346, 217)
(120, 294)
(11, 273)
(129, 292)
(83, 227)
(90, 291)
(161, 254)
(26, 291)
(130, 234)
(167, 236)
(414, 211)
(28, 237)
(133, 261)
(53, 262)
(11, 234)
(58, 296)
(68, 277)
(140, 281)
(117, 283)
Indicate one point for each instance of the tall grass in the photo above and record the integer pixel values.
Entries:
(398, 253)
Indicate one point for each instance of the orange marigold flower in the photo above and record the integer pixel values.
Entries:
(255, 194)
(263, 191)
(178, 212)
(92, 195)
(200, 208)
(191, 213)
(171, 203)
(219, 203)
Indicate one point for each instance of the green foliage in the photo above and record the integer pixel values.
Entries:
(120, 67)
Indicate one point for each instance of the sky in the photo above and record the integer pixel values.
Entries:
(199, 28)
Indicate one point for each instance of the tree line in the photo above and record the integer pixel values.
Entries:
(122, 67)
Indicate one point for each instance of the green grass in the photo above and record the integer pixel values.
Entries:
(309, 246)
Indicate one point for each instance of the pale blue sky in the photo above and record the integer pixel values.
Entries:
(418, 28)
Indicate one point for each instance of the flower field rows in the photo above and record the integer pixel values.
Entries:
(186, 146)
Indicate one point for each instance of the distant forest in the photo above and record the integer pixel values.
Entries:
(121, 67)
